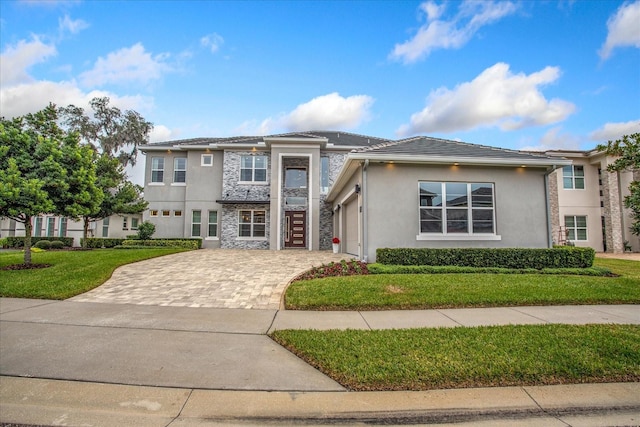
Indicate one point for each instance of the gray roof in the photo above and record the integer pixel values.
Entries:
(337, 138)
(436, 147)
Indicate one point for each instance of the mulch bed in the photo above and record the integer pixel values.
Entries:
(15, 267)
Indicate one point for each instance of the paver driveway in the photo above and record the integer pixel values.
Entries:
(223, 278)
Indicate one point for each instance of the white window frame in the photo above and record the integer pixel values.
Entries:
(166, 213)
(196, 223)
(469, 235)
(575, 228)
(37, 227)
(573, 177)
(134, 223)
(252, 223)
(209, 224)
(62, 229)
(153, 212)
(155, 168)
(325, 172)
(298, 168)
(177, 213)
(253, 169)
(105, 227)
(203, 161)
(51, 226)
(176, 170)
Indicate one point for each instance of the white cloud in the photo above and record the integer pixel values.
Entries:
(554, 140)
(74, 27)
(161, 133)
(212, 41)
(624, 29)
(127, 65)
(16, 60)
(613, 131)
(330, 111)
(496, 97)
(449, 34)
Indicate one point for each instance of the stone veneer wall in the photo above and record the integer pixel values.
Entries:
(232, 190)
(229, 228)
(554, 208)
(336, 160)
(612, 211)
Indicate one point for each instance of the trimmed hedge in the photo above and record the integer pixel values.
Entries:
(165, 243)
(99, 242)
(518, 258)
(18, 242)
(450, 269)
(42, 244)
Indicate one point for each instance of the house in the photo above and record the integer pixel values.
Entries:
(115, 226)
(587, 206)
(298, 190)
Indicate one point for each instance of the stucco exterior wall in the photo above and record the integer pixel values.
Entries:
(393, 205)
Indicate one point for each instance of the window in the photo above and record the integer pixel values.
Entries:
(180, 169)
(212, 231)
(576, 227)
(253, 168)
(37, 229)
(166, 212)
(177, 213)
(573, 177)
(456, 208)
(252, 223)
(125, 221)
(324, 174)
(62, 231)
(51, 225)
(295, 201)
(105, 227)
(206, 160)
(153, 212)
(134, 223)
(295, 178)
(157, 169)
(196, 221)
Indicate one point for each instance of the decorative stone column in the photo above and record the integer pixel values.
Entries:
(554, 207)
(612, 210)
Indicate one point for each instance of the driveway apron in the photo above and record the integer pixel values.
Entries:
(212, 278)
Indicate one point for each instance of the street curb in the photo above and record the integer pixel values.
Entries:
(51, 402)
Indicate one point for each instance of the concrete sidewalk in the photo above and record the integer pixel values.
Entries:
(75, 362)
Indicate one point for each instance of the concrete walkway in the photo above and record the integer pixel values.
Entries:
(79, 363)
(211, 278)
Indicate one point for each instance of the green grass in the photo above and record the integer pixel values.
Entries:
(423, 291)
(71, 273)
(423, 359)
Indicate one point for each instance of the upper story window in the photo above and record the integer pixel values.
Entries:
(206, 160)
(253, 169)
(180, 169)
(454, 207)
(157, 169)
(295, 177)
(573, 177)
(324, 174)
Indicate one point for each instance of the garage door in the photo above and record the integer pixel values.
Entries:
(351, 227)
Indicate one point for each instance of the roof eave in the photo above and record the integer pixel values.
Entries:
(470, 161)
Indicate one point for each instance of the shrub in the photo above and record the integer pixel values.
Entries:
(342, 268)
(42, 244)
(146, 230)
(165, 243)
(18, 242)
(566, 257)
(450, 269)
(57, 244)
(97, 242)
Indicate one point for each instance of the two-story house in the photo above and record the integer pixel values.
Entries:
(299, 190)
(588, 203)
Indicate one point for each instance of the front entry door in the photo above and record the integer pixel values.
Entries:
(295, 229)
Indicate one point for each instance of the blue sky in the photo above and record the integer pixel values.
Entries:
(513, 74)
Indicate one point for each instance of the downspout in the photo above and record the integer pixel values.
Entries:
(365, 211)
(548, 203)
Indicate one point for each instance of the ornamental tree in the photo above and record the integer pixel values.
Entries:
(627, 149)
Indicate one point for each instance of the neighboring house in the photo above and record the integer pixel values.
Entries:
(588, 203)
(298, 190)
(115, 226)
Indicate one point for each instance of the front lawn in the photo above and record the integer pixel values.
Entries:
(71, 272)
(425, 291)
(423, 359)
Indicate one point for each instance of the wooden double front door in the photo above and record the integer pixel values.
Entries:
(295, 229)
